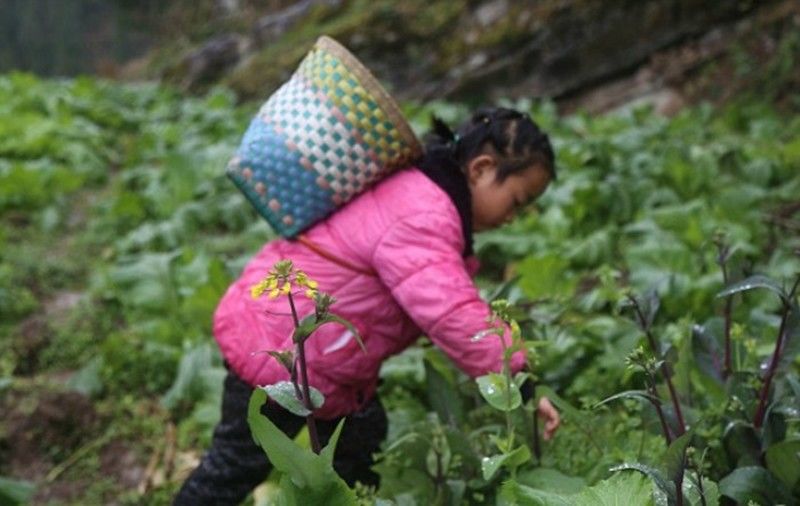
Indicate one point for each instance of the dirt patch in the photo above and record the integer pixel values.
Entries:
(49, 436)
(35, 333)
(120, 460)
(33, 336)
(39, 428)
(60, 492)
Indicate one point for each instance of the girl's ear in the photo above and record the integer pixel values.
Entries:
(479, 166)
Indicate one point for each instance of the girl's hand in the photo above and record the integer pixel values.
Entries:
(549, 416)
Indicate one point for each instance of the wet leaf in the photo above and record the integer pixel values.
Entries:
(512, 459)
(752, 283)
(630, 394)
(284, 394)
(754, 484)
(498, 393)
(661, 481)
(708, 353)
(623, 488)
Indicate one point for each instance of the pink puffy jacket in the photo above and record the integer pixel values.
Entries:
(408, 231)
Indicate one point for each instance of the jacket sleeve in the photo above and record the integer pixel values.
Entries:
(419, 260)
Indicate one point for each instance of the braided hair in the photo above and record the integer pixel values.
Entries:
(514, 136)
(517, 143)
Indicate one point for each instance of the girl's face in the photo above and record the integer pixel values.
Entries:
(495, 203)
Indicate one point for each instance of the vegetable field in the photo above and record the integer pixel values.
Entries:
(655, 286)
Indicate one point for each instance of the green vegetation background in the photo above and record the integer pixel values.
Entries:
(119, 233)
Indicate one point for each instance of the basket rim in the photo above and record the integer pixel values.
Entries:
(372, 85)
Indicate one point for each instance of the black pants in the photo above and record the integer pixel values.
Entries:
(235, 465)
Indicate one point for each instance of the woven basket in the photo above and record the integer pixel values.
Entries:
(326, 135)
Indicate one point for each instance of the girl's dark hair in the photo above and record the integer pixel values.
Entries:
(514, 136)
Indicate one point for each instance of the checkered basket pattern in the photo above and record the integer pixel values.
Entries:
(326, 135)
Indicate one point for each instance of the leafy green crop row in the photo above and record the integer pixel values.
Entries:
(115, 194)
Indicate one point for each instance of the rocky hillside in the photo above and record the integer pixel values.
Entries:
(461, 49)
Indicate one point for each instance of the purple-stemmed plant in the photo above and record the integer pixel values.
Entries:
(789, 308)
(788, 303)
(724, 252)
(639, 359)
(645, 322)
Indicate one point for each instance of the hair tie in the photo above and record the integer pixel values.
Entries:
(486, 119)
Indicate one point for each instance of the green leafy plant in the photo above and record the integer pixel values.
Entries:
(787, 331)
(297, 395)
(753, 424)
(502, 390)
(308, 475)
(113, 194)
(14, 492)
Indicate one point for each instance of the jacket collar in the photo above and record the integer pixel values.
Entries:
(454, 184)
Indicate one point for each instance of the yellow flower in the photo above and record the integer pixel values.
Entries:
(280, 279)
(302, 279)
(268, 283)
(257, 289)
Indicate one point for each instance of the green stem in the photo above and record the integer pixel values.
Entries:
(537, 450)
(509, 379)
(700, 488)
(699, 470)
(509, 423)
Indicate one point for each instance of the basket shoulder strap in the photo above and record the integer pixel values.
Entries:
(319, 250)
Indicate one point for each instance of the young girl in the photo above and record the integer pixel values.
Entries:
(398, 259)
